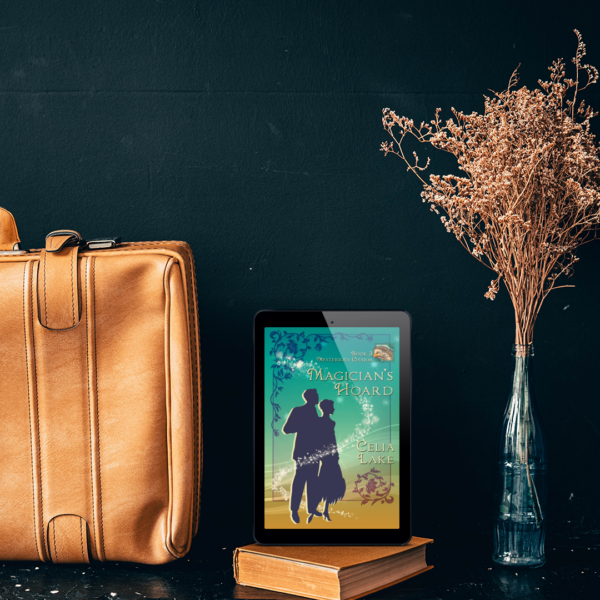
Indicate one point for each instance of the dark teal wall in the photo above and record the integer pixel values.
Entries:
(252, 130)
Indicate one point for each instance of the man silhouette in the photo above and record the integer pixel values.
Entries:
(304, 421)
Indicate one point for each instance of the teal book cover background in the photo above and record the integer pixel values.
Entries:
(357, 369)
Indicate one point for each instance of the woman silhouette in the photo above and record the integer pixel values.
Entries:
(331, 484)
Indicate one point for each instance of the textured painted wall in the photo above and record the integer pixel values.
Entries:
(251, 130)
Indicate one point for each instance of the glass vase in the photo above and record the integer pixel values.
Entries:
(520, 485)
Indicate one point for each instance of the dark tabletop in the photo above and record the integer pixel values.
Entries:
(463, 571)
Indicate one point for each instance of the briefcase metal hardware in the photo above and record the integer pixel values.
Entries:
(16, 250)
(68, 238)
(102, 243)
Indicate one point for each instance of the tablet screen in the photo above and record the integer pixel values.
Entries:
(332, 427)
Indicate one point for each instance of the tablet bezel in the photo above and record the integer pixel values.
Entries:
(332, 537)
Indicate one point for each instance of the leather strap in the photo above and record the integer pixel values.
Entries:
(57, 240)
(68, 539)
(58, 281)
(9, 235)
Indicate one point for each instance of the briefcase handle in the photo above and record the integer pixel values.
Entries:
(9, 234)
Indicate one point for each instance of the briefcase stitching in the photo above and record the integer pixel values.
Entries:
(35, 526)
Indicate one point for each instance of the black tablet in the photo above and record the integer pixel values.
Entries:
(332, 427)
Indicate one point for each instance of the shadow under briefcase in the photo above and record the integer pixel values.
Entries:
(100, 440)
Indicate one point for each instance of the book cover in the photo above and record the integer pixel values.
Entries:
(332, 421)
(329, 573)
(334, 557)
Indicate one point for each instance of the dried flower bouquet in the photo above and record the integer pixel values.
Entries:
(530, 194)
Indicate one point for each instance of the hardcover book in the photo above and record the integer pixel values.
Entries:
(329, 572)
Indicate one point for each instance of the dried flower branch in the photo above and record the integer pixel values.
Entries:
(530, 194)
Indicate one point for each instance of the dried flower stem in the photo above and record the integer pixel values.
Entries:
(530, 195)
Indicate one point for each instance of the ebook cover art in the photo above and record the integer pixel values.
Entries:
(332, 428)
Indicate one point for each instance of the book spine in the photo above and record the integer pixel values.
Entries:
(236, 565)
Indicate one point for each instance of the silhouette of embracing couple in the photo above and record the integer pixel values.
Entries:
(316, 457)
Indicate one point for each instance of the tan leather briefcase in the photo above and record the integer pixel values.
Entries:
(100, 441)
